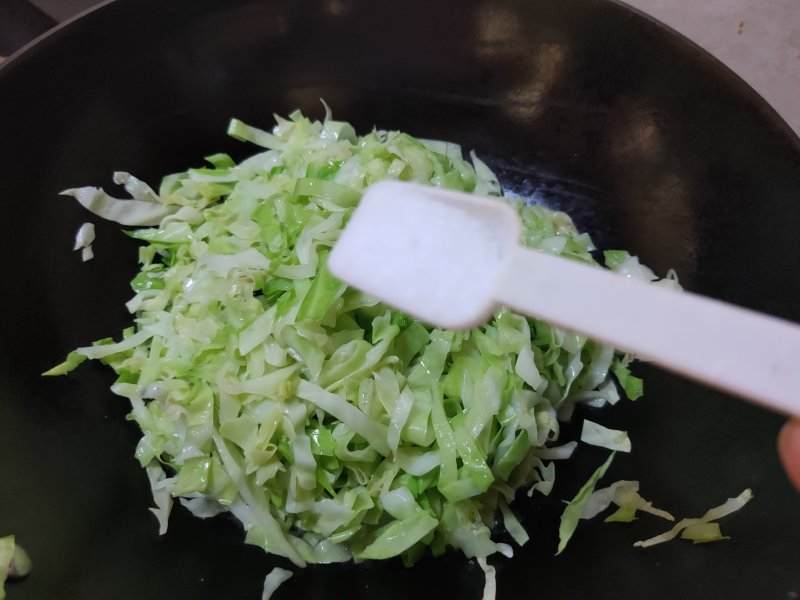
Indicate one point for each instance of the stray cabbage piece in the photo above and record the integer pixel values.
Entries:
(598, 435)
(125, 212)
(625, 494)
(589, 503)
(702, 529)
(490, 583)
(273, 581)
(161, 495)
(330, 425)
(83, 241)
(14, 562)
(575, 508)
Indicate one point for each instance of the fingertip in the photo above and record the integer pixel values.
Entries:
(789, 450)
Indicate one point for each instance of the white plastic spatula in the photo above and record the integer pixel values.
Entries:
(450, 259)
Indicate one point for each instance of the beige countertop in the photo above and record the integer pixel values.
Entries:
(758, 39)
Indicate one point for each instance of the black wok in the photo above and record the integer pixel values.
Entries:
(584, 105)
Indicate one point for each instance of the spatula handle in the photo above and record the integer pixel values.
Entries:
(748, 354)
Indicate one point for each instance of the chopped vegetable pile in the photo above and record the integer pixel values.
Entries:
(330, 425)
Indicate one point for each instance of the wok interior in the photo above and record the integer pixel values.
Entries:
(582, 105)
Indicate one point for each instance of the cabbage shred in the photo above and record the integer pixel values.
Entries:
(14, 562)
(330, 425)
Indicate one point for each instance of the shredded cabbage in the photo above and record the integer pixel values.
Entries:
(83, 241)
(702, 529)
(331, 426)
(575, 508)
(598, 435)
(6, 555)
(126, 212)
(273, 581)
(14, 562)
(490, 585)
(625, 494)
